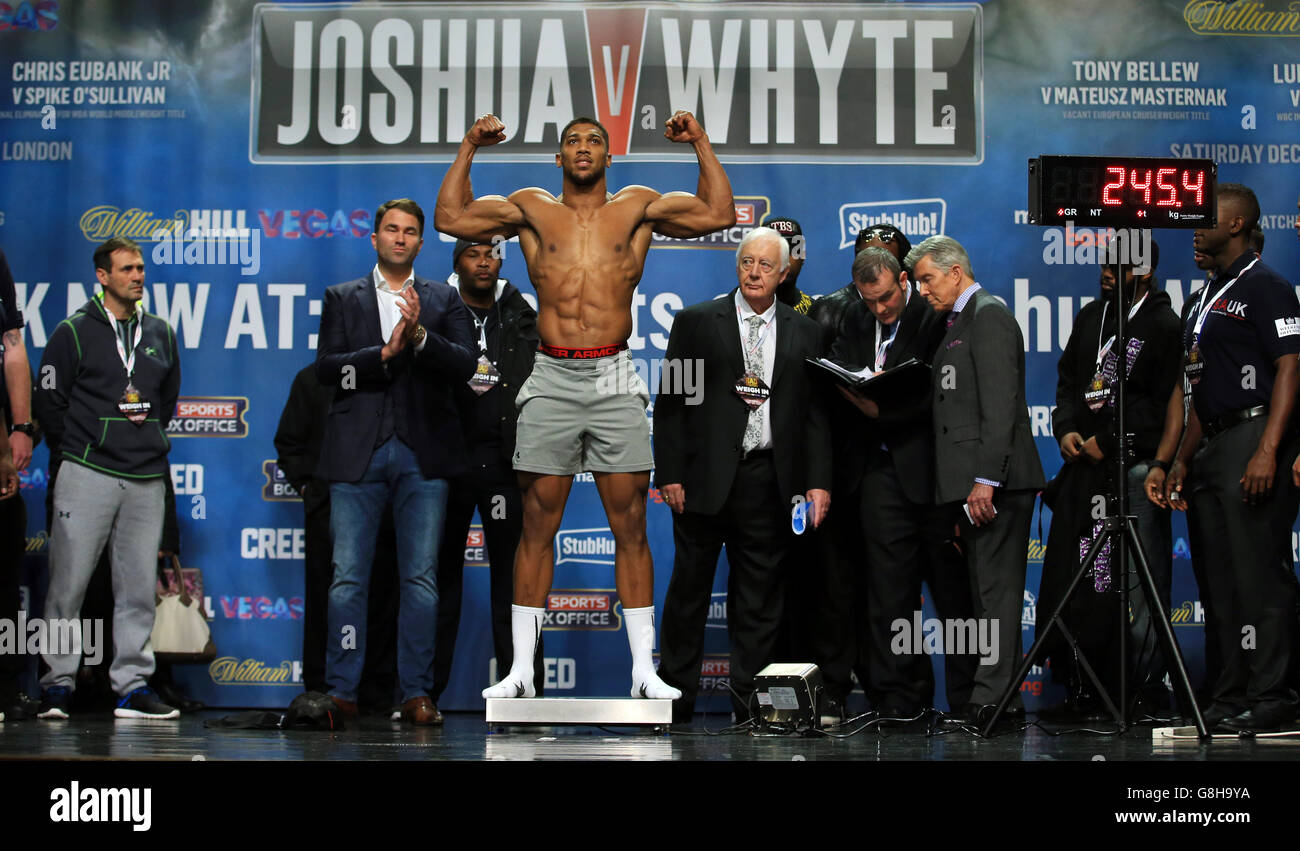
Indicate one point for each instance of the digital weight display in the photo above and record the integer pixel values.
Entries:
(1131, 192)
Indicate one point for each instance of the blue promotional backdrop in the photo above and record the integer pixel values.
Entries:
(284, 125)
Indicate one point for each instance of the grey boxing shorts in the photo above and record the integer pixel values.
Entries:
(582, 413)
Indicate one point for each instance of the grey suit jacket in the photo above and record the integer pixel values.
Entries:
(981, 424)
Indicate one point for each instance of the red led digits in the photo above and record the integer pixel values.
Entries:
(1118, 171)
(1198, 188)
(1172, 200)
(1144, 188)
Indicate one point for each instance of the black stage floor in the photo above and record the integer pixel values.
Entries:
(587, 782)
(466, 737)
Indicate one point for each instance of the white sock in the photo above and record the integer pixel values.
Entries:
(641, 637)
(525, 632)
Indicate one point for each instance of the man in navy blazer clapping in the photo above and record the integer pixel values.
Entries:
(391, 347)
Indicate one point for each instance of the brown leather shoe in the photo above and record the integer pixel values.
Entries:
(347, 707)
(421, 712)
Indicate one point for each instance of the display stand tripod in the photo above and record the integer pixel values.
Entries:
(1120, 528)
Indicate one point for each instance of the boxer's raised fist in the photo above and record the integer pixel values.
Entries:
(682, 127)
(488, 130)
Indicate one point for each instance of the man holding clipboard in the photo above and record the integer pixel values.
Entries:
(891, 457)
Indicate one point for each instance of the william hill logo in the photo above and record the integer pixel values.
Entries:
(585, 546)
(1244, 17)
(1190, 613)
(582, 609)
(230, 671)
(107, 221)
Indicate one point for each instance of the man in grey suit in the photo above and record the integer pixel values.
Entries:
(985, 459)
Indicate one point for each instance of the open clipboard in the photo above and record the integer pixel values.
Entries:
(907, 380)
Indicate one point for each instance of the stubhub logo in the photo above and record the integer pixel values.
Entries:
(917, 218)
(585, 546)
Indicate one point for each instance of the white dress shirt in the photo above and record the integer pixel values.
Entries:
(390, 304)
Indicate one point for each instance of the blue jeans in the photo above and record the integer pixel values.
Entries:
(419, 507)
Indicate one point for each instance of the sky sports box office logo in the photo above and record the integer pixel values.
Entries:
(582, 609)
(209, 416)
(277, 487)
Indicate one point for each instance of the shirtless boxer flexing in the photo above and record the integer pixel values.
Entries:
(585, 252)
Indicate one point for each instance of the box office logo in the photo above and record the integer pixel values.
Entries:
(585, 546)
(715, 673)
(233, 671)
(594, 609)
(209, 416)
(917, 218)
(751, 210)
(779, 82)
(476, 552)
(277, 487)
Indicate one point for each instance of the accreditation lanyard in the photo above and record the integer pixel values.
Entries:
(1204, 308)
(1102, 349)
(481, 325)
(127, 361)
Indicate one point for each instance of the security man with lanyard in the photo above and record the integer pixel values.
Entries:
(505, 327)
(1242, 339)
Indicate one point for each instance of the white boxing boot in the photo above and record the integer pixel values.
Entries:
(641, 637)
(525, 633)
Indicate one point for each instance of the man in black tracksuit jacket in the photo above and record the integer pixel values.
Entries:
(505, 329)
(110, 379)
(1083, 424)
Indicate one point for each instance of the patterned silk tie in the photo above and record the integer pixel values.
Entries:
(754, 365)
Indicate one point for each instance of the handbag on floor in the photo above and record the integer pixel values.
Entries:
(180, 631)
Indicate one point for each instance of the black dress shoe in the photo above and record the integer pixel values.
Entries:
(1256, 721)
(1216, 713)
(964, 716)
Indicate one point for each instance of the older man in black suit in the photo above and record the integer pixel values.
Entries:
(392, 347)
(987, 469)
(732, 462)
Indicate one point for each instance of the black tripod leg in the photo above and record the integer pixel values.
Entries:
(1094, 679)
(1165, 631)
(1039, 640)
